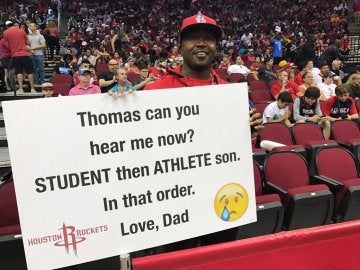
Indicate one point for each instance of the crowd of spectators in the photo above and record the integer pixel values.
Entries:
(140, 34)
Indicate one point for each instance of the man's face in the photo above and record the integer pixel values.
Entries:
(121, 75)
(239, 60)
(144, 73)
(112, 65)
(85, 78)
(324, 69)
(198, 50)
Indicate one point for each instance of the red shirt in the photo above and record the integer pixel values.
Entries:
(298, 79)
(337, 110)
(175, 79)
(17, 40)
(291, 87)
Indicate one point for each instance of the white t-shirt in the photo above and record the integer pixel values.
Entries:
(328, 90)
(238, 69)
(272, 111)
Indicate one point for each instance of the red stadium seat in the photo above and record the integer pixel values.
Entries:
(261, 96)
(61, 89)
(286, 173)
(62, 78)
(236, 77)
(312, 138)
(269, 210)
(257, 85)
(337, 168)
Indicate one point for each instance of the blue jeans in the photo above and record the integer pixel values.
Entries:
(38, 62)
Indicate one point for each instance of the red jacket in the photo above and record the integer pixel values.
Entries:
(174, 79)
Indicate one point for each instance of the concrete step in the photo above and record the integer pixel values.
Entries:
(4, 157)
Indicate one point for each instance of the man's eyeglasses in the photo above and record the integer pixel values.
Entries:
(112, 64)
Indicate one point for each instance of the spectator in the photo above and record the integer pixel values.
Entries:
(238, 67)
(276, 44)
(341, 106)
(5, 56)
(18, 43)
(354, 84)
(283, 84)
(308, 80)
(66, 65)
(37, 45)
(144, 79)
(47, 90)
(307, 109)
(122, 85)
(107, 80)
(327, 87)
(84, 87)
(52, 38)
(267, 73)
(278, 111)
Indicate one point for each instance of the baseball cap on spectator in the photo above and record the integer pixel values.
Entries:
(9, 23)
(47, 85)
(285, 64)
(83, 71)
(84, 43)
(200, 21)
(329, 74)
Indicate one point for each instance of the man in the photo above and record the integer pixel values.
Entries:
(284, 84)
(238, 67)
(199, 35)
(17, 41)
(267, 73)
(107, 80)
(122, 85)
(37, 45)
(84, 87)
(144, 79)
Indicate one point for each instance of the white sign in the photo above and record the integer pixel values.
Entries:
(98, 176)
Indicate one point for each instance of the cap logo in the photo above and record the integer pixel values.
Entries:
(200, 19)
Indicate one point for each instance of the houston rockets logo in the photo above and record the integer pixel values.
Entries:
(69, 239)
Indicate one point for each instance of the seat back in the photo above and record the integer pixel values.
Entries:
(61, 89)
(62, 78)
(132, 77)
(222, 73)
(236, 77)
(257, 179)
(260, 106)
(305, 132)
(9, 216)
(343, 130)
(277, 132)
(101, 67)
(337, 163)
(257, 85)
(261, 96)
(286, 170)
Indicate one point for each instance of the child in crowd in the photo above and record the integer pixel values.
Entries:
(307, 109)
(278, 111)
(47, 89)
(341, 106)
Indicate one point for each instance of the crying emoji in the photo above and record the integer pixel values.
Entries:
(231, 202)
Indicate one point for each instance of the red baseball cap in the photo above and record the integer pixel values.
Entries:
(200, 21)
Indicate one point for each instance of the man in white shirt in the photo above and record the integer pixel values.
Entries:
(238, 67)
